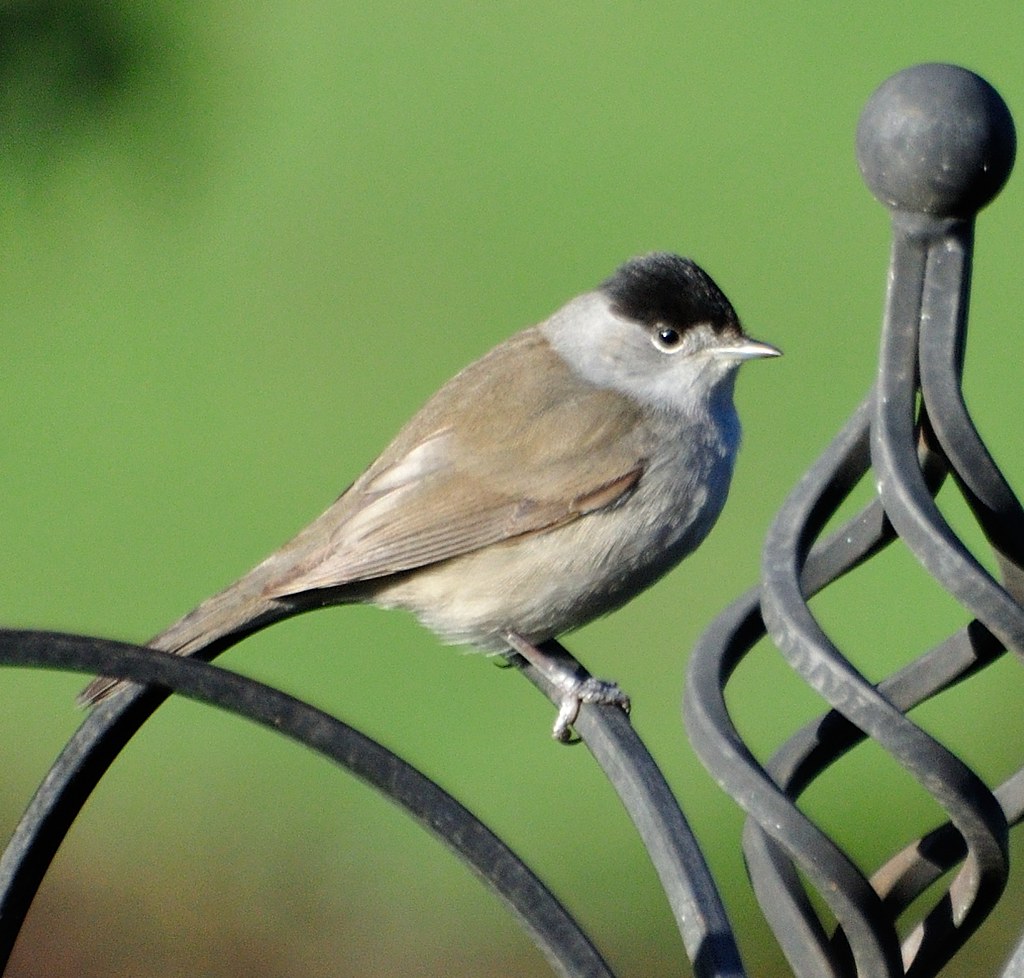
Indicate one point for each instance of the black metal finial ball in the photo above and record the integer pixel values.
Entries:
(936, 139)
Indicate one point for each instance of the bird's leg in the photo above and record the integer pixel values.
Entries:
(574, 684)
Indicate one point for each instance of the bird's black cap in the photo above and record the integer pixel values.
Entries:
(662, 288)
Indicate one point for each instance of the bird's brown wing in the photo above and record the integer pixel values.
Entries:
(464, 474)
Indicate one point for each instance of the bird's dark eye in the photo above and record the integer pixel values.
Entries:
(666, 338)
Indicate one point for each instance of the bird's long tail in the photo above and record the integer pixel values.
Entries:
(254, 601)
(219, 622)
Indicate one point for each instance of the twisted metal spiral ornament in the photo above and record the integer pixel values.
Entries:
(935, 144)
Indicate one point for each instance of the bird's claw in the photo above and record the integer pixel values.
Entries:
(580, 691)
(573, 684)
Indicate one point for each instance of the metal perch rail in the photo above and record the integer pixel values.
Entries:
(936, 143)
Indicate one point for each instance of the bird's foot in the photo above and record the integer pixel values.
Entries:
(580, 691)
(575, 687)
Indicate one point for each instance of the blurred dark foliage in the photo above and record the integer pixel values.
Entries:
(63, 64)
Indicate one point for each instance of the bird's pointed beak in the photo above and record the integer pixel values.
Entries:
(748, 349)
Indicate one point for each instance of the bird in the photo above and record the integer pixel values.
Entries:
(546, 484)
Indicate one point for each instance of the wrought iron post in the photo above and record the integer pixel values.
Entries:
(935, 145)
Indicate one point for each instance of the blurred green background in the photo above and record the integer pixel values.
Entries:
(241, 243)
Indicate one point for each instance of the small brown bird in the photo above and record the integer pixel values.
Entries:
(546, 484)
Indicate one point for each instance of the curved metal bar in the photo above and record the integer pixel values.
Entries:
(667, 837)
(940, 358)
(906, 876)
(677, 858)
(825, 740)
(930, 262)
(806, 945)
(552, 928)
(795, 632)
(721, 748)
(66, 787)
(930, 256)
(821, 742)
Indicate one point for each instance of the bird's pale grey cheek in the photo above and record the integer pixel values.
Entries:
(675, 372)
(618, 346)
(711, 372)
(616, 359)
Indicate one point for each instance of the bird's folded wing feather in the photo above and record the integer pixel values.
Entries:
(464, 475)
